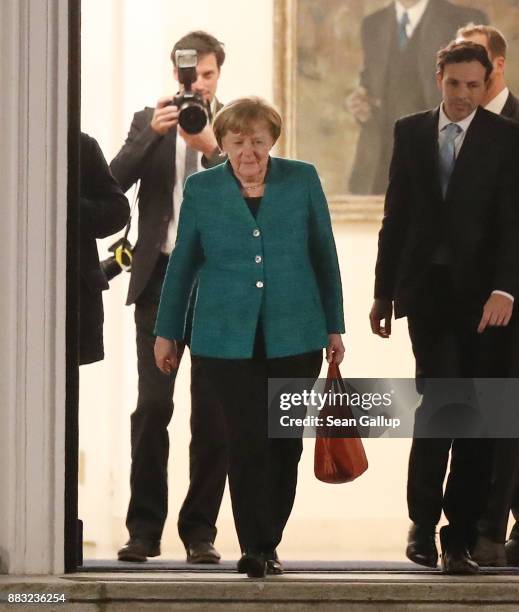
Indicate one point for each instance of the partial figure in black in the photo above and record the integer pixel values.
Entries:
(504, 489)
(103, 210)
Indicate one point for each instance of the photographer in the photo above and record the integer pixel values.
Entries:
(161, 154)
(103, 210)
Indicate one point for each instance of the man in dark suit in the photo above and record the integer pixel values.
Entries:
(399, 43)
(103, 210)
(161, 155)
(504, 490)
(448, 257)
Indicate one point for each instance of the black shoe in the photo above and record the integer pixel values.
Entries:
(512, 552)
(254, 564)
(274, 565)
(421, 546)
(456, 558)
(202, 552)
(137, 550)
(489, 553)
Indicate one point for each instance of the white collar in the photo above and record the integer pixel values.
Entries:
(497, 104)
(414, 13)
(464, 123)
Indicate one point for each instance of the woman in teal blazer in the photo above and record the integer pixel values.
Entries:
(255, 233)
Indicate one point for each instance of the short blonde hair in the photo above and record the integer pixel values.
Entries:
(239, 115)
(495, 39)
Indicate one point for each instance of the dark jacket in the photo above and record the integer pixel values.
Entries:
(150, 158)
(478, 221)
(437, 27)
(103, 210)
(280, 269)
(511, 108)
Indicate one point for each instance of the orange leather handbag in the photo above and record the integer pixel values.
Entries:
(338, 459)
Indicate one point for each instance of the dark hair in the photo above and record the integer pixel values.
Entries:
(464, 51)
(495, 40)
(203, 43)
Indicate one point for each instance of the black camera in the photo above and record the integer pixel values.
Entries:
(120, 260)
(193, 116)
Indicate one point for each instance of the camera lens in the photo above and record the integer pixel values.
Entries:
(192, 118)
(111, 268)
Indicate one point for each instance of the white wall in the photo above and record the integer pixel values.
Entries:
(126, 66)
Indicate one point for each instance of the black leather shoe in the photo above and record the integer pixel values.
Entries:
(512, 552)
(421, 546)
(274, 565)
(137, 550)
(254, 564)
(489, 553)
(456, 558)
(202, 552)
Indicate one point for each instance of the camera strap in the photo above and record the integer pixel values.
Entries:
(135, 198)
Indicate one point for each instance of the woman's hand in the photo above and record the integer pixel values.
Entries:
(335, 349)
(167, 354)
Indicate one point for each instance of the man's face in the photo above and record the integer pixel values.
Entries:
(463, 88)
(498, 62)
(207, 76)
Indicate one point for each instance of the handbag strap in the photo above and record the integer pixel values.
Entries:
(334, 374)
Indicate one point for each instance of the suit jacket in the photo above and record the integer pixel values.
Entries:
(103, 210)
(289, 250)
(478, 221)
(511, 108)
(150, 158)
(437, 27)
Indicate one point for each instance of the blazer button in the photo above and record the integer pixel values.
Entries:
(257, 259)
(259, 284)
(256, 233)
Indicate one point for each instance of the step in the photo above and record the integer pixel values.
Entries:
(227, 591)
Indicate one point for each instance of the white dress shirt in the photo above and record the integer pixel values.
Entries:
(463, 124)
(415, 13)
(458, 142)
(178, 188)
(498, 103)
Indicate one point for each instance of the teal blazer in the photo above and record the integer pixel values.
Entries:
(280, 268)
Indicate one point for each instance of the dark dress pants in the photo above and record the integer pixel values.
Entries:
(443, 334)
(262, 471)
(148, 505)
(504, 487)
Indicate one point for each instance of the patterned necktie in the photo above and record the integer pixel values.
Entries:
(402, 31)
(448, 154)
(191, 162)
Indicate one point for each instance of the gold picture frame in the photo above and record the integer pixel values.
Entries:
(343, 207)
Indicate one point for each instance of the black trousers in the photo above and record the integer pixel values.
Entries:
(262, 471)
(148, 505)
(442, 328)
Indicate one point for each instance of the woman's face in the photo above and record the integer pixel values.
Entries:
(249, 153)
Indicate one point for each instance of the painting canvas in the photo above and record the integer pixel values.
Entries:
(327, 49)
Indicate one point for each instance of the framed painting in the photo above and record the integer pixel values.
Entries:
(342, 77)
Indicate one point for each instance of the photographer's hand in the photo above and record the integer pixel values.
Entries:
(168, 354)
(205, 141)
(165, 116)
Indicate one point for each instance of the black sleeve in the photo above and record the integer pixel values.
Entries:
(215, 159)
(507, 263)
(394, 224)
(104, 208)
(128, 165)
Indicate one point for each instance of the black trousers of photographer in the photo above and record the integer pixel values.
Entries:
(148, 505)
(262, 471)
